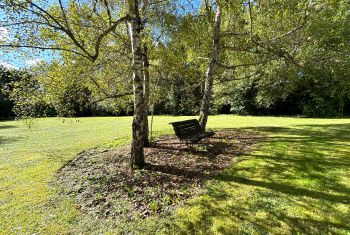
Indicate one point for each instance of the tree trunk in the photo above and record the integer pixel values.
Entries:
(134, 24)
(208, 86)
(146, 94)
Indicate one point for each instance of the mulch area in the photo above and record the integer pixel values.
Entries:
(104, 186)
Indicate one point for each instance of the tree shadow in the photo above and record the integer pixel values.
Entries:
(206, 148)
(173, 173)
(7, 140)
(312, 132)
(288, 189)
(195, 163)
(3, 126)
(296, 182)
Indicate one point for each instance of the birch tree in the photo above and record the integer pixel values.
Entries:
(134, 24)
(209, 76)
(80, 29)
(246, 47)
(146, 78)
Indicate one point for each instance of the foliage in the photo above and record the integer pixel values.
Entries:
(277, 57)
(22, 95)
(7, 78)
(66, 92)
(28, 96)
(305, 67)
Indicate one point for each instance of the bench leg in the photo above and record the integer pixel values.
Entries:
(209, 140)
(189, 144)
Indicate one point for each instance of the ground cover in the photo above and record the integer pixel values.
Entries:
(297, 181)
(105, 187)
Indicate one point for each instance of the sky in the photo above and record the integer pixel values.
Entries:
(5, 57)
(14, 60)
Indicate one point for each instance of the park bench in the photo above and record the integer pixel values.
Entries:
(190, 132)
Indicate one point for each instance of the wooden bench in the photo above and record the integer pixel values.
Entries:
(190, 132)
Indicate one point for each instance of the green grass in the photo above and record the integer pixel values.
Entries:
(296, 181)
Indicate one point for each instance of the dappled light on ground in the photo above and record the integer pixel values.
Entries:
(298, 182)
(105, 188)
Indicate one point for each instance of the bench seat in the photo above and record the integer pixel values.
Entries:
(189, 131)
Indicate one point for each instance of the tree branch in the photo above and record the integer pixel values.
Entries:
(113, 96)
(64, 14)
(240, 65)
(225, 80)
(228, 34)
(43, 48)
(104, 34)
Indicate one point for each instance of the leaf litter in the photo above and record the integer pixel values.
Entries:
(103, 185)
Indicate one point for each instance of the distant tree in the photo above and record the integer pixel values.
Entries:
(7, 79)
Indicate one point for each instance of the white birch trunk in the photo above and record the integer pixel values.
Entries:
(134, 24)
(208, 86)
(146, 94)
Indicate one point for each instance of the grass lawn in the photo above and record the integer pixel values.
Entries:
(296, 181)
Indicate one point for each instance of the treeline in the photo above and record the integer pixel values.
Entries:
(23, 96)
(276, 57)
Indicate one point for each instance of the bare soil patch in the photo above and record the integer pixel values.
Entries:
(104, 186)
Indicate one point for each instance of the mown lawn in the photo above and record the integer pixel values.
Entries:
(296, 181)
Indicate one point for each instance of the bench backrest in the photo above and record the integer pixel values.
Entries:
(186, 129)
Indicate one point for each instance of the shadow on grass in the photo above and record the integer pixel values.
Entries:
(198, 162)
(290, 190)
(199, 169)
(4, 139)
(206, 149)
(173, 173)
(295, 184)
(3, 126)
(7, 140)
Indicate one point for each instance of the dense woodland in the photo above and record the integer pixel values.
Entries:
(271, 57)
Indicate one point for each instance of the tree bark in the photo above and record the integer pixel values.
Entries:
(145, 94)
(134, 24)
(208, 86)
